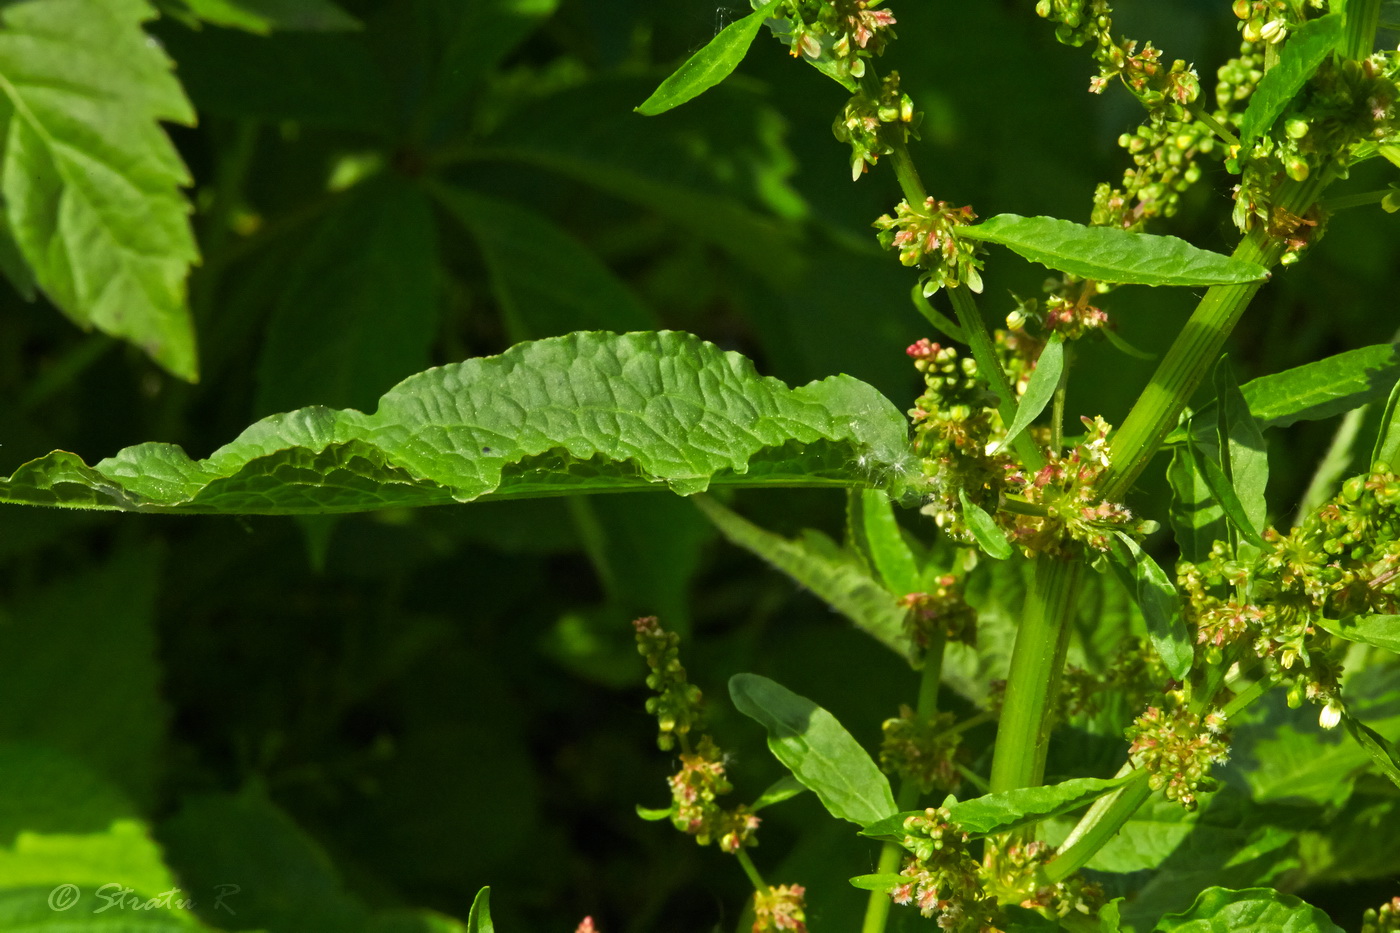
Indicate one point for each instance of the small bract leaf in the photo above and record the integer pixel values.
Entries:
(984, 529)
(784, 788)
(709, 66)
(1108, 254)
(816, 749)
(878, 882)
(1041, 389)
(1301, 55)
(479, 920)
(1218, 910)
(265, 16)
(1009, 810)
(874, 531)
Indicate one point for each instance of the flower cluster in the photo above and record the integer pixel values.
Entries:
(1018, 877)
(780, 908)
(921, 750)
(839, 36)
(677, 704)
(924, 236)
(1344, 559)
(1062, 505)
(1178, 747)
(1266, 20)
(943, 879)
(1134, 676)
(1385, 920)
(1066, 311)
(953, 423)
(944, 609)
(873, 126)
(586, 926)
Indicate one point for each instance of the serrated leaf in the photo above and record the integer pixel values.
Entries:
(546, 282)
(359, 307)
(1045, 379)
(588, 412)
(1387, 446)
(1243, 455)
(1299, 58)
(265, 16)
(1379, 630)
(784, 788)
(816, 562)
(1158, 599)
(1218, 910)
(1108, 254)
(984, 529)
(479, 919)
(874, 532)
(1009, 810)
(709, 66)
(816, 749)
(90, 182)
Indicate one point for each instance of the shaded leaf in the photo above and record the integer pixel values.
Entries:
(1222, 493)
(874, 531)
(1387, 447)
(359, 308)
(1382, 751)
(816, 749)
(90, 182)
(709, 66)
(1196, 517)
(984, 529)
(1218, 910)
(1379, 630)
(1108, 254)
(547, 282)
(652, 815)
(1009, 810)
(1302, 54)
(1243, 455)
(1158, 599)
(265, 16)
(584, 413)
(1041, 389)
(816, 562)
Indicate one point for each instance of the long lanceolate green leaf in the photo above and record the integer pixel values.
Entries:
(710, 65)
(1108, 254)
(90, 182)
(816, 749)
(588, 412)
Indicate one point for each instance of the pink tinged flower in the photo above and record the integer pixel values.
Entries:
(586, 926)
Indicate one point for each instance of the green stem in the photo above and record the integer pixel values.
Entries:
(989, 368)
(755, 878)
(1033, 684)
(941, 322)
(1332, 205)
(877, 906)
(1363, 18)
(1212, 124)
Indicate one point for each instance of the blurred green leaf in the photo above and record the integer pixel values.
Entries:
(359, 307)
(784, 788)
(479, 920)
(91, 183)
(833, 574)
(816, 749)
(1108, 254)
(547, 283)
(265, 16)
(1300, 57)
(584, 413)
(1217, 910)
(709, 66)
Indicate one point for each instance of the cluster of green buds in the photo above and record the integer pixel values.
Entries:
(1060, 506)
(953, 423)
(780, 908)
(837, 35)
(1178, 747)
(942, 610)
(873, 125)
(677, 705)
(1134, 676)
(678, 709)
(1267, 20)
(1017, 876)
(943, 879)
(924, 236)
(1164, 91)
(1385, 920)
(1066, 311)
(922, 750)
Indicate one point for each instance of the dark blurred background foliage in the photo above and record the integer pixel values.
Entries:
(350, 715)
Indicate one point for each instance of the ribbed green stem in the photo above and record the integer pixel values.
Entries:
(1363, 17)
(1037, 660)
(877, 906)
(755, 878)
